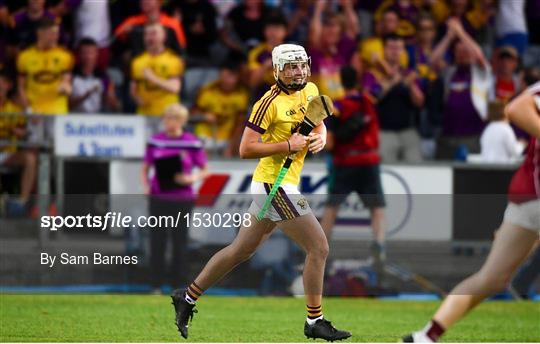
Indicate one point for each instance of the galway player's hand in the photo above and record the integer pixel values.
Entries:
(316, 142)
(297, 142)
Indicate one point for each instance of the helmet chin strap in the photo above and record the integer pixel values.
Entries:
(292, 87)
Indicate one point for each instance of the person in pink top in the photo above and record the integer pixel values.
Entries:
(168, 174)
(515, 238)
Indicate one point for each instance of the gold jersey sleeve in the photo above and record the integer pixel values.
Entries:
(276, 116)
(264, 111)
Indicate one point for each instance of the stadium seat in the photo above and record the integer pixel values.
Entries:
(195, 78)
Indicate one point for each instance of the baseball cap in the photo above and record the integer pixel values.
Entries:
(508, 51)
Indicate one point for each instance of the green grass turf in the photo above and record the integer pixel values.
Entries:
(141, 318)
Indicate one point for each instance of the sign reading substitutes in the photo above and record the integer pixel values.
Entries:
(103, 136)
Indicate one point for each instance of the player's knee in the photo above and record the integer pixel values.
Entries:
(324, 251)
(320, 251)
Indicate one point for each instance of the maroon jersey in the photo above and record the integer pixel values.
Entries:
(525, 185)
(363, 148)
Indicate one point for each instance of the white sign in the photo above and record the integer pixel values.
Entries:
(99, 136)
(418, 199)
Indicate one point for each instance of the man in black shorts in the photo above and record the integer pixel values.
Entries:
(353, 139)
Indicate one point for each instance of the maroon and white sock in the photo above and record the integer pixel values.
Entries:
(433, 330)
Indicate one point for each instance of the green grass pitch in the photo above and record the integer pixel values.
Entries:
(141, 318)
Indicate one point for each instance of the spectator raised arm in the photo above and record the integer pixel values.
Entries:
(455, 25)
(456, 30)
(352, 24)
(437, 57)
(315, 26)
(351, 28)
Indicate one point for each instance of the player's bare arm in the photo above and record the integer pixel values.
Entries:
(251, 146)
(522, 113)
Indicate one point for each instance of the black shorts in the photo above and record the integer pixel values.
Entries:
(364, 180)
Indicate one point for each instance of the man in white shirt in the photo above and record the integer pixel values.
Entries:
(92, 91)
(498, 142)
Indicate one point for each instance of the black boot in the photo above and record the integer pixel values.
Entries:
(184, 311)
(324, 329)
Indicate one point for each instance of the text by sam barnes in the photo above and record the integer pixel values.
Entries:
(96, 258)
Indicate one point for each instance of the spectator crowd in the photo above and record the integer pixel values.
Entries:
(431, 68)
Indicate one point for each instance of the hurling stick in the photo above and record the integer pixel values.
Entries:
(407, 275)
(318, 109)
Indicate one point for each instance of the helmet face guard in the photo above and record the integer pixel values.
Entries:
(292, 66)
(294, 75)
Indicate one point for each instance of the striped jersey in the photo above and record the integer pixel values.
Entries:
(276, 116)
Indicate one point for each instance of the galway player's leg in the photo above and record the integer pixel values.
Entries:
(511, 246)
(241, 249)
(306, 231)
(516, 237)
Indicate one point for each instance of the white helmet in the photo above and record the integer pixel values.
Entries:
(284, 54)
